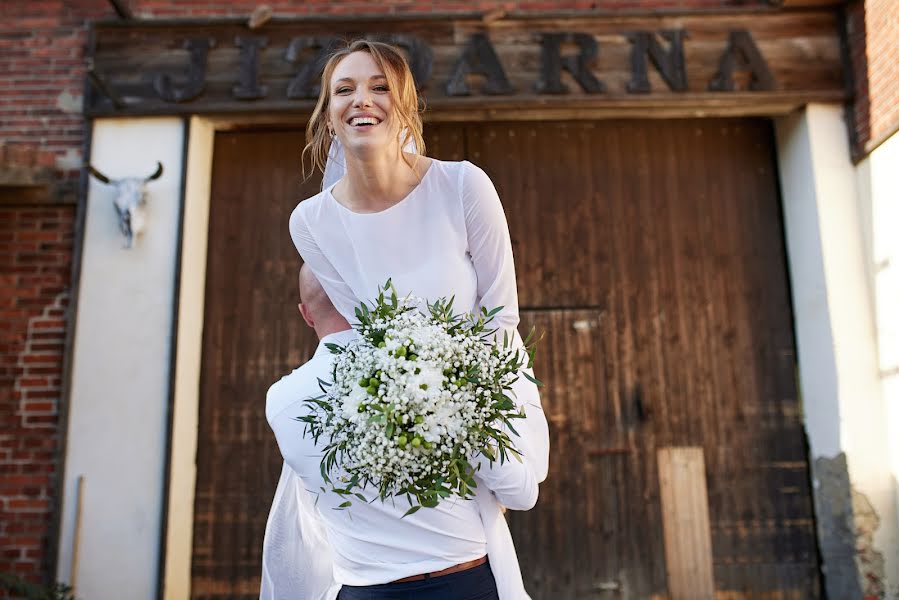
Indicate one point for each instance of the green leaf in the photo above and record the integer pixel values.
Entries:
(411, 511)
(346, 504)
(533, 380)
(530, 335)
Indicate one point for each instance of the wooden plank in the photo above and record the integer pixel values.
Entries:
(672, 232)
(135, 64)
(807, 3)
(738, 595)
(685, 516)
(581, 518)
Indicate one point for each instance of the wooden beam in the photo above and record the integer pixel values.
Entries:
(685, 520)
(695, 64)
(805, 3)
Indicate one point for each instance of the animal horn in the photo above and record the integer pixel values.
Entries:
(97, 174)
(157, 174)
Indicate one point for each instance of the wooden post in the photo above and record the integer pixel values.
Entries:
(685, 520)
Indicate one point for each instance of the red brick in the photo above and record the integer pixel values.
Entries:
(42, 407)
(41, 394)
(28, 504)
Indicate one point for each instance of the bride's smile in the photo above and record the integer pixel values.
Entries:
(361, 103)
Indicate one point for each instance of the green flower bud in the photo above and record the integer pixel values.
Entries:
(412, 356)
(372, 390)
(402, 441)
(382, 345)
(428, 445)
(424, 386)
(416, 442)
(374, 381)
(419, 419)
(401, 351)
(364, 382)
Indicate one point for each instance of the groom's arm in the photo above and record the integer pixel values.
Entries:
(513, 483)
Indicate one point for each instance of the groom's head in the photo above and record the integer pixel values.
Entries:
(316, 308)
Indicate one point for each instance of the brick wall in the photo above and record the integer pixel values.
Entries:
(41, 83)
(873, 31)
(35, 263)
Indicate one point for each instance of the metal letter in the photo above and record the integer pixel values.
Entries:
(670, 64)
(306, 83)
(478, 57)
(552, 63)
(421, 57)
(196, 73)
(741, 45)
(248, 87)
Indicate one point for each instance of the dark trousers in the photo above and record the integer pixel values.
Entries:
(472, 584)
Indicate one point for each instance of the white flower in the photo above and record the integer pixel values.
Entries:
(351, 402)
(415, 401)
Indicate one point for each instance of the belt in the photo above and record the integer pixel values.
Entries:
(453, 569)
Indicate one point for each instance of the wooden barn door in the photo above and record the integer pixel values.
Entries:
(252, 335)
(651, 253)
(652, 256)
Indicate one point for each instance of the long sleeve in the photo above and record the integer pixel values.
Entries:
(304, 239)
(514, 483)
(490, 246)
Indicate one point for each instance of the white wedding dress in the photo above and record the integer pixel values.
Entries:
(447, 237)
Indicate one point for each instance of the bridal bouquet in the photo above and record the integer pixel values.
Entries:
(415, 399)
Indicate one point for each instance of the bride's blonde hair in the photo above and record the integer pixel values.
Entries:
(407, 105)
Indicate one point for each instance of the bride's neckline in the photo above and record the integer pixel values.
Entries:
(393, 206)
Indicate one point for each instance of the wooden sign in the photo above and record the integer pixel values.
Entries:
(690, 62)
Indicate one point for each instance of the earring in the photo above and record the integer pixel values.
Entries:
(330, 131)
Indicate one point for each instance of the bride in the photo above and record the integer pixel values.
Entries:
(437, 229)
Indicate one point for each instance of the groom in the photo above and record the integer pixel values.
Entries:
(291, 391)
(294, 535)
(297, 558)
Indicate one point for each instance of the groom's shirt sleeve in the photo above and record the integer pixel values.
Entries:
(284, 402)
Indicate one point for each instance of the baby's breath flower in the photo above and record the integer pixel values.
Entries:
(414, 398)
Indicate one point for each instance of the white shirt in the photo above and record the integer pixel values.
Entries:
(371, 543)
(447, 237)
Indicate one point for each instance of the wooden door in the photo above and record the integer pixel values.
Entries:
(252, 335)
(651, 253)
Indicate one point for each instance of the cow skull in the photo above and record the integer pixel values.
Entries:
(130, 200)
